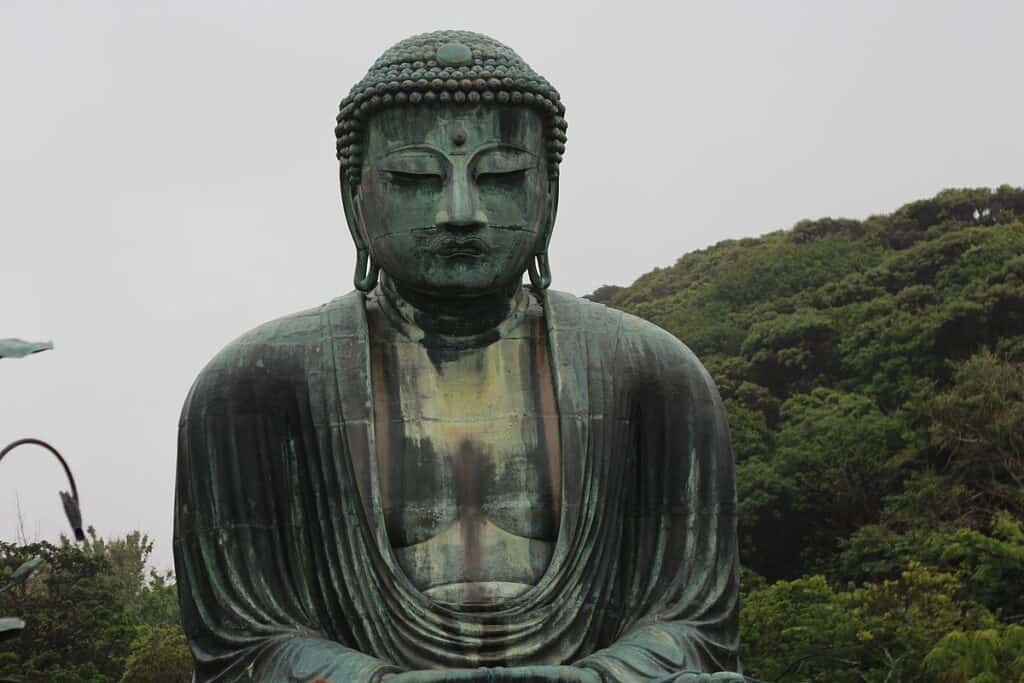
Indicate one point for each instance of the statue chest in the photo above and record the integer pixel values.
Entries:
(469, 466)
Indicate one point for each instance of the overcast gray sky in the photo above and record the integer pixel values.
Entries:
(168, 175)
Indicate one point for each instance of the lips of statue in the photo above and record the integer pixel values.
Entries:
(453, 199)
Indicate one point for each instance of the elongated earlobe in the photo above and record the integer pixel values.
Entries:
(367, 271)
(540, 271)
(540, 266)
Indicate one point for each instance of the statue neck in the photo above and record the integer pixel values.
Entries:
(463, 317)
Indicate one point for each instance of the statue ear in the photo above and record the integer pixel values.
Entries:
(353, 216)
(365, 278)
(552, 212)
(540, 267)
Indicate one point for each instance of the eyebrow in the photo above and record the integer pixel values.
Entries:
(486, 146)
(499, 145)
(414, 146)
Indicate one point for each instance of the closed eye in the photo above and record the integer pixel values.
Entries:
(412, 177)
(501, 177)
(503, 163)
(412, 167)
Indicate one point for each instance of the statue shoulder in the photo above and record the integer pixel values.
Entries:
(272, 354)
(284, 334)
(654, 349)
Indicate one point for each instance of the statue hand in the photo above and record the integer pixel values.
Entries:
(561, 674)
(524, 674)
(722, 677)
(437, 676)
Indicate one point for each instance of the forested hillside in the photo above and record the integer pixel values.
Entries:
(873, 373)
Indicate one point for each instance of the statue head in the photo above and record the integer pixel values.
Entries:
(449, 151)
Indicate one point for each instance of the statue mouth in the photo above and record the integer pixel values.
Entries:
(453, 248)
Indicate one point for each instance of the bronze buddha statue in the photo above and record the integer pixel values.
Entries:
(445, 475)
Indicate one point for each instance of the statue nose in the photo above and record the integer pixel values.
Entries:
(472, 221)
(460, 209)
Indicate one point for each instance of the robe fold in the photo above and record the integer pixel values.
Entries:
(284, 568)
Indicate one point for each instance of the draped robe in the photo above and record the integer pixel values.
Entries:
(285, 572)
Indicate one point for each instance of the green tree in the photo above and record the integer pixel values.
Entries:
(159, 654)
(978, 427)
(77, 624)
(991, 655)
(805, 630)
(94, 614)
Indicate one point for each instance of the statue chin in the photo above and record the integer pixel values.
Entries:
(466, 288)
(451, 476)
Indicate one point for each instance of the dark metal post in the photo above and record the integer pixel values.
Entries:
(70, 502)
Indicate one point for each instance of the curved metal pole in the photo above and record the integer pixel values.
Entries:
(70, 502)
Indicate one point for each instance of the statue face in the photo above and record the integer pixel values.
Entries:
(454, 199)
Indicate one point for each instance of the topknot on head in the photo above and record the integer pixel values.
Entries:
(444, 67)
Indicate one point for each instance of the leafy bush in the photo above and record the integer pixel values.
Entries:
(93, 615)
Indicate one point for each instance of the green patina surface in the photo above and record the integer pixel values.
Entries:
(467, 447)
(444, 475)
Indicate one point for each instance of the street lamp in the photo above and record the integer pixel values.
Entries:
(70, 502)
(12, 626)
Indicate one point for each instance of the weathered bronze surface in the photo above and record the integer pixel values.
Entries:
(467, 452)
(445, 475)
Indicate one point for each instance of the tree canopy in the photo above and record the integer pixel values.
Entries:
(94, 613)
(873, 372)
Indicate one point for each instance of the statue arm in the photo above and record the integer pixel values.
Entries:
(307, 659)
(680, 559)
(655, 652)
(241, 553)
